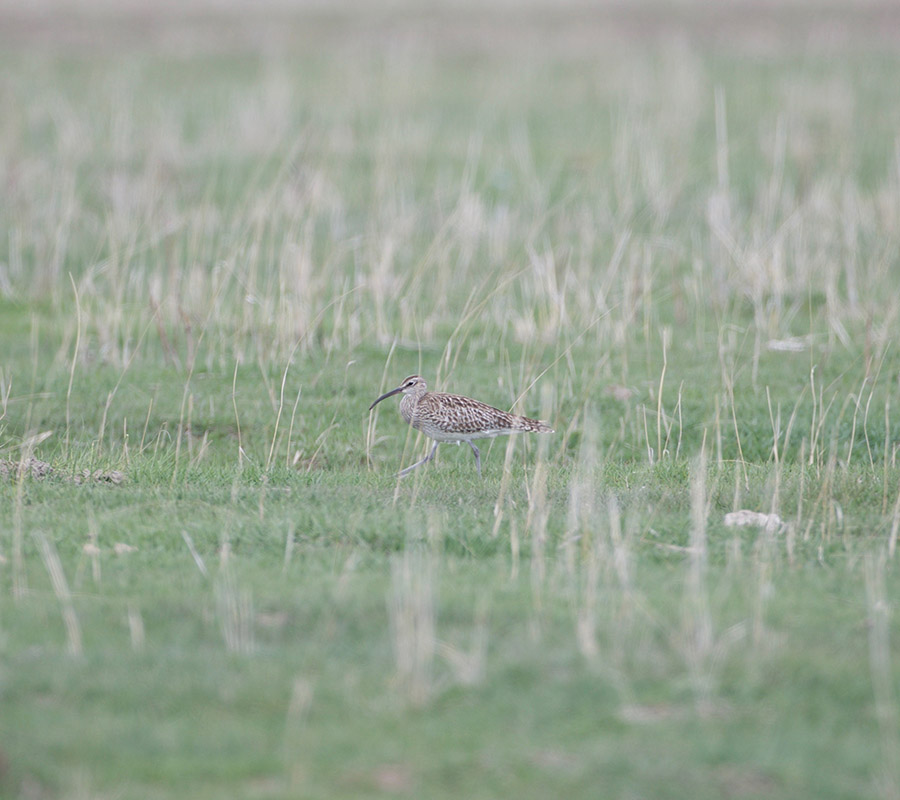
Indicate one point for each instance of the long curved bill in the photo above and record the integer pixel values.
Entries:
(385, 396)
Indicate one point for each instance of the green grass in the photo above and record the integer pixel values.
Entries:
(681, 253)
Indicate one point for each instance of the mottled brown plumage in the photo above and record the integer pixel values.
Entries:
(454, 418)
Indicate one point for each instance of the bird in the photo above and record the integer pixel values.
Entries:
(454, 418)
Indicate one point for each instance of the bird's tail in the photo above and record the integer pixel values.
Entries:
(528, 425)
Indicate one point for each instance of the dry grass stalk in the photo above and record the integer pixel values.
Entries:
(234, 609)
(411, 612)
(50, 557)
(698, 627)
(882, 676)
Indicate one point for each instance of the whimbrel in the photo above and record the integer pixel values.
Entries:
(454, 418)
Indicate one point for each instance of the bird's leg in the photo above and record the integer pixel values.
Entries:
(419, 463)
(477, 458)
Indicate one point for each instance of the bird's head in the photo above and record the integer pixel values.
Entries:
(411, 385)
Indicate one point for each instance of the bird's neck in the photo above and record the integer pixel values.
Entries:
(409, 402)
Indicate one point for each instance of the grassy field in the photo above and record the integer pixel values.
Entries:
(674, 233)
